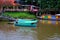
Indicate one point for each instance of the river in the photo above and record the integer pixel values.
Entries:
(45, 30)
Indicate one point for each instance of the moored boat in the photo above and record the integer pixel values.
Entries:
(50, 17)
(26, 22)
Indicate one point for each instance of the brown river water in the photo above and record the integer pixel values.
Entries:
(45, 30)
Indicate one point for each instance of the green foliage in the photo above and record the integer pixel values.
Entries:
(19, 15)
(49, 4)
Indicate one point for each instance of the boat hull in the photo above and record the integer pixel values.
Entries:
(26, 23)
(50, 17)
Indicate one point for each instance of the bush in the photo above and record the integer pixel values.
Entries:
(20, 15)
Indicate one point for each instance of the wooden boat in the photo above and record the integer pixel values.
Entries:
(26, 22)
(50, 17)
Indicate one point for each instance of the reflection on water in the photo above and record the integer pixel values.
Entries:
(49, 22)
(9, 32)
(17, 35)
(46, 30)
(54, 37)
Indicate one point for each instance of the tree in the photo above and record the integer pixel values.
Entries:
(6, 3)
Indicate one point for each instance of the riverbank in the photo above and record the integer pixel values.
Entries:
(20, 15)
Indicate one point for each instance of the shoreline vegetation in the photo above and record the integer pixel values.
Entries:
(20, 15)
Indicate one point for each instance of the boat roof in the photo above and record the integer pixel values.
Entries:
(58, 14)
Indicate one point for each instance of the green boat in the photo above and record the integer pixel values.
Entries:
(26, 22)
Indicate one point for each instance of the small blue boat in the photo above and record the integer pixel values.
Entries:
(26, 22)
